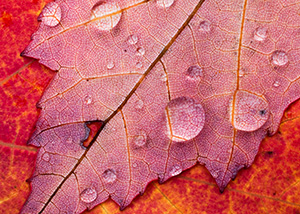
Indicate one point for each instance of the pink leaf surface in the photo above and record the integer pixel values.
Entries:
(173, 82)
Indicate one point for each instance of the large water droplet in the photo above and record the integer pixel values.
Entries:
(279, 58)
(88, 195)
(132, 39)
(88, 100)
(194, 72)
(176, 170)
(204, 26)
(106, 14)
(140, 140)
(250, 111)
(165, 3)
(51, 14)
(140, 51)
(260, 33)
(109, 175)
(46, 156)
(185, 119)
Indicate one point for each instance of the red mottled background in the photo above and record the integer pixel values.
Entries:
(270, 185)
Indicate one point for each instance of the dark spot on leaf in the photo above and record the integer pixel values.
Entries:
(92, 127)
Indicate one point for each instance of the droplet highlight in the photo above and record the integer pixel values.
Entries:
(51, 14)
(165, 3)
(141, 139)
(133, 39)
(194, 72)
(139, 65)
(139, 104)
(205, 26)
(276, 84)
(106, 15)
(176, 170)
(249, 111)
(185, 119)
(109, 175)
(110, 65)
(260, 34)
(46, 156)
(88, 100)
(140, 51)
(279, 58)
(88, 195)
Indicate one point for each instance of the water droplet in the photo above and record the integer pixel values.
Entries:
(134, 165)
(139, 104)
(69, 140)
(241, 73)
(250, 111)
(163, 77)
(106, 15)
(140, 140)
(140, 51)
(132, 39)
(139, 65)
(88, 195)
(185, 119)
(276, 84)
(51, 14)
(205, 26)
(279, 58)
(194, 72)
(214, 174)
(46, 156)
(88, 100)
(260, 33)
(165, 3)
(110, 65)
(176, 170)
(109, 175)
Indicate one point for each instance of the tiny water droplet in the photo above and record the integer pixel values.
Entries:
(250, 111)
(46, 156)
(141, 139)
(176, 170)
(241, 73)
(132, 39)
(163, 77)
(214, 174)
(140, 51)
(139, 104)
(205, 26)
(194, 72)
(164, 3)
(88, 100)
(185, 119)
(260, 33)
(110, 65)
(109, 175)
(134, 165)
(279, 58)
(139, 65)
(276, 84)
(88, 195)
(51, 14)
(69, 140)
(106, 15)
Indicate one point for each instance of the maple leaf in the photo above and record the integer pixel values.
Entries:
(172, 84)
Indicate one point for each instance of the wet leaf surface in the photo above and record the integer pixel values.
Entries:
(151, 114)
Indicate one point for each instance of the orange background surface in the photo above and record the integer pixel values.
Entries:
(270, 185)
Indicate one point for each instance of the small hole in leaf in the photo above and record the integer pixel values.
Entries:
(93, 128)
